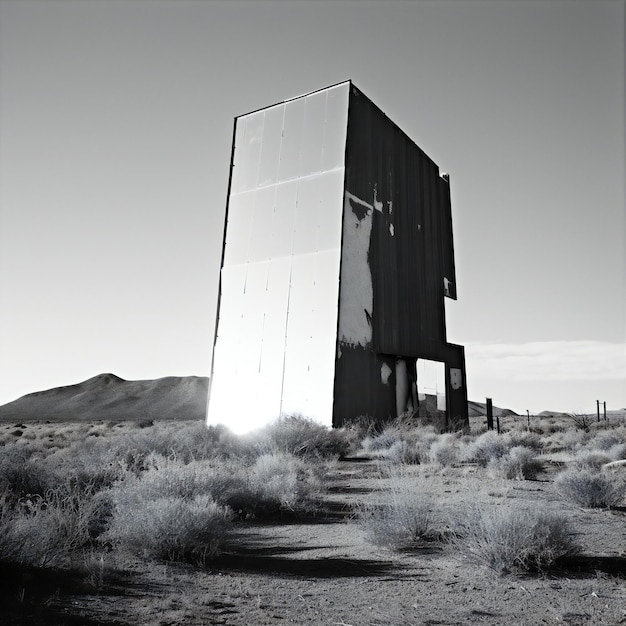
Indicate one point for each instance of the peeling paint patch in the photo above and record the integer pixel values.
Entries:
(385, 373)
(449, 288)
(359, 208)
(377, 205)
(356, 295)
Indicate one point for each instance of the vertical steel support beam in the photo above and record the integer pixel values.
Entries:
(456, 391)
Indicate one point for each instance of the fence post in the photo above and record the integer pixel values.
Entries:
(489, 414)
(605, 410)
(598, 408)
(528, 417)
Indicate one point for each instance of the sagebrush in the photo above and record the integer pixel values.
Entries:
(403, 518)
(509, 539)
(591, 488)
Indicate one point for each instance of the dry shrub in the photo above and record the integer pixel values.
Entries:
(104, 460)
(580, 420)
(274, 483)
(400, 442)
(403, 452)
(601, 448)
(356, 430)
(45, 530)
(301, 436)
(591, 459)
(282, 482)
(184, 512)
(193, 441)
(605, 440)
(444, 451)
(615, 424)
(402, 520)
(172, 528)
(526, 439)
(611, 444)
(183, 441)
(590, 488)
(508, 539)
(617, 452)
(166, 478)
(24, 475)
(569, 440)
(93, 461)
(544, 425)
(518, 463)
(487, 448)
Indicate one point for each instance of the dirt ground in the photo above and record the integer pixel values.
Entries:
(322, 571)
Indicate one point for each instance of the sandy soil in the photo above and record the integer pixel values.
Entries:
(322, 571)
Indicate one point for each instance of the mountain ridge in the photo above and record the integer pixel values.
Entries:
(109, 397)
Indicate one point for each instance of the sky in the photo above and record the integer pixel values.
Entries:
(116, 122)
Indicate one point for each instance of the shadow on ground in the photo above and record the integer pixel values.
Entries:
(310, 568)
(274, 560)
(30, 596)
(583, 565)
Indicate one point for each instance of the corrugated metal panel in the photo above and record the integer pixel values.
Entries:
(410, 260)
(364, 385)
(447, 252)
(411, 246)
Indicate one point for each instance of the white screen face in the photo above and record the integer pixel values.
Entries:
(276, 333)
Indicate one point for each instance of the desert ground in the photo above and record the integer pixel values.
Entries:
(323, 554)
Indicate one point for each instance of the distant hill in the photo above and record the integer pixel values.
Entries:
(108, 397)
(609, 413)
(552, 414)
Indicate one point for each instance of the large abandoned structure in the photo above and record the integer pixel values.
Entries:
(338, 254)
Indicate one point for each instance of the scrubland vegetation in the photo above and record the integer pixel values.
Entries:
(170, 491)
(85, 497)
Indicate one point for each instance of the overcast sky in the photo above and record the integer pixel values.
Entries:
(115, 140)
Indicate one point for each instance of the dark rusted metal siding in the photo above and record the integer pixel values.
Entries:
(447, 251)
(410, 253)
(359, 390)
(411, 246)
